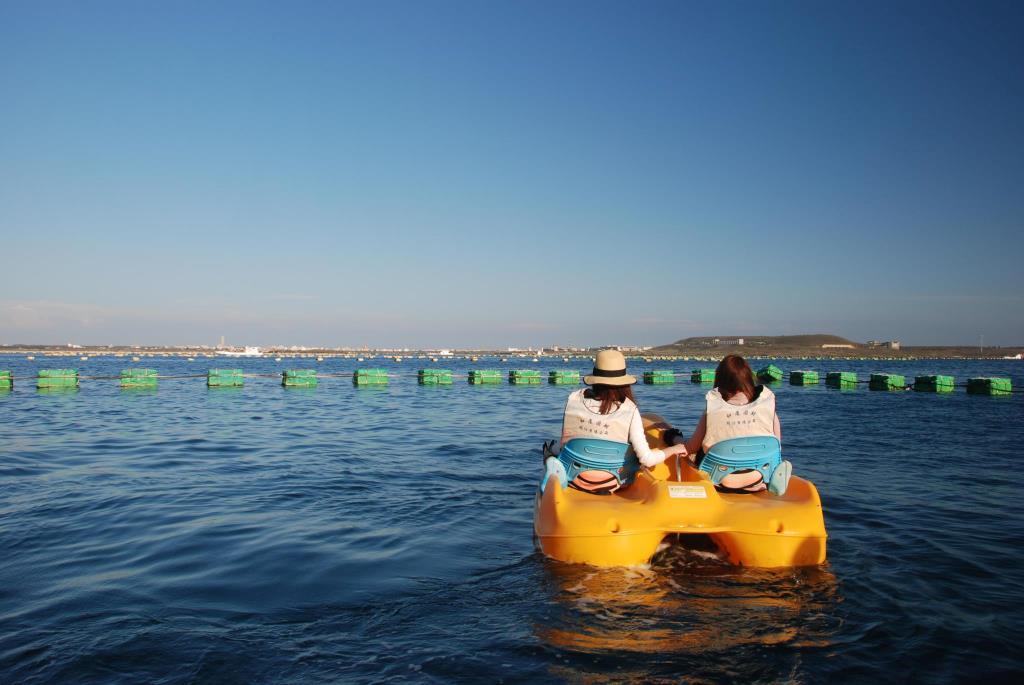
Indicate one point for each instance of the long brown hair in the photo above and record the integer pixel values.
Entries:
(733, 375)
(611, 396)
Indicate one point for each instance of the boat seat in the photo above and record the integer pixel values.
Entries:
(762, 453)
(591, 465)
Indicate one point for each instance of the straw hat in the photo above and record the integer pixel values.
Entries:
(609, 369)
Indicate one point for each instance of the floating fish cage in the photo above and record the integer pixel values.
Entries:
(224, 378)
(370, 377)
(49, 379)
(138, 378)
(307, 378)
(524, 377)
(803, 378)
(887, 381)
(434, 377)
(299, 378)
(989, 386)
(485, 377)
(659, 377)
(841, 379)
(702, 376)
(933, 383)
(561, 377)
(770, 373)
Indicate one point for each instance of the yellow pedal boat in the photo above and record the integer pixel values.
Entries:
(626, 527)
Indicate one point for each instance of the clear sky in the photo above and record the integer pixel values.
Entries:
(430, 173)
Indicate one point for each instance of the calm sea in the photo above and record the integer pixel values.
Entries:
(265, 535)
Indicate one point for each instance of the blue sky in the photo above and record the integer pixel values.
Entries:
(483, 173)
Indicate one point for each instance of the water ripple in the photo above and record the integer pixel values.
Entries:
(368, 535)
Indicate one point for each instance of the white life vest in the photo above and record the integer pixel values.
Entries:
(582, 422)
(725, 421)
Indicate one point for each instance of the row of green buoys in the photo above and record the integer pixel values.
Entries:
(890, 381)
(667, 376)
(659, 377)
(140, 379)
(55, 379)
(841, 379)
(803, 377)
(524, 377)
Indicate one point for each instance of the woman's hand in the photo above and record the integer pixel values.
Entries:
(675, 450)
(651, 461)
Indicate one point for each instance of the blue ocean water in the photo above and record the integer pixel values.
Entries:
(338, 534)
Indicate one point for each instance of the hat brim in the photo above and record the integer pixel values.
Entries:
(609, 380)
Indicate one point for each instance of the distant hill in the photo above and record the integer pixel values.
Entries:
(803, 346)
(809, 340)
(754, 344)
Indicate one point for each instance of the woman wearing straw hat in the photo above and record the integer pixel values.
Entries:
(607, 411)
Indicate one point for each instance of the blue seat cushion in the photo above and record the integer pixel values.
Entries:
(760, 453)
(589, 454)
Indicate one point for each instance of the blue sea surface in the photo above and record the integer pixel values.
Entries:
(341, 534)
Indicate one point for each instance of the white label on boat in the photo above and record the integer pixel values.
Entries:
(687, 492)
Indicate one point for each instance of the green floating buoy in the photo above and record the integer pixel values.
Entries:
(299, 378)
(485, 377)
(770, 373)
(841, 379)
(989, 386)
(138, 379)
(933, 383)
(56, 379)
(434, 377)
(524, 377)
(887, 381)
(224, 378)
(803, 378)
(370, 377)
(564, 377)
(659, 377)
(6, 380)
(702, 376)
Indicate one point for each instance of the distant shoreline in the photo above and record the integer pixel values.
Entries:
(905, 352)
(676, 352)
(824, 346)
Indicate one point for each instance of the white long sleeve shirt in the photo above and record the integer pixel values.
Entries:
(637, 438)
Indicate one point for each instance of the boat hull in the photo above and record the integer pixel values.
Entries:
(626, 528)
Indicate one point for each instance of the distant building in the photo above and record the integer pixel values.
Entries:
(891, 344)
(833, 346)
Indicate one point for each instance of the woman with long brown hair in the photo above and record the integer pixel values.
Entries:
(607, 411)
(736, 407)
